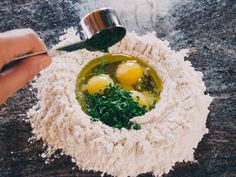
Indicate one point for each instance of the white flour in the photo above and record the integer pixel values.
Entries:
(169, 133)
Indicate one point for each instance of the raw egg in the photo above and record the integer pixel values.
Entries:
(140, 98)
(129, 72)
(98, 83)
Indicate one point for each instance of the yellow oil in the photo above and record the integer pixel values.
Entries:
(107, 64)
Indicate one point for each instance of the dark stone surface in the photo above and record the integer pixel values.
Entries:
(208, 25)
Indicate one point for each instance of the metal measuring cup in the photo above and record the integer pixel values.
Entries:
(100, 30)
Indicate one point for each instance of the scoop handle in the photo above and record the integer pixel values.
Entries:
(74, 46)
(30, 55)
(51, 52)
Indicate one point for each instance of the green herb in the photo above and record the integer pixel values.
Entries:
(146, 83)
(136, 126)
(101, 68)
(115, 107)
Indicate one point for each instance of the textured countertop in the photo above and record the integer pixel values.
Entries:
(207, 25)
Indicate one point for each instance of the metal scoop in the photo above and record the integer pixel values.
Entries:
(99, 30)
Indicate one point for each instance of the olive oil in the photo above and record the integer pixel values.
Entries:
(149, 85)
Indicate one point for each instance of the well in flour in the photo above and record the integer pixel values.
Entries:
(115, 88)
(170, 132)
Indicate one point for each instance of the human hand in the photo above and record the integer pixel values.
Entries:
(13, 44)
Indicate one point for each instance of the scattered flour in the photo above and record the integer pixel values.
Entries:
(169, 133)
(137, 15)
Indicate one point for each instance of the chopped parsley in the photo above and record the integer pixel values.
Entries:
(115, 107)
(101, 67)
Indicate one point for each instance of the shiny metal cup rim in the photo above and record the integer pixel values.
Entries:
(88, 27)
(97, 10)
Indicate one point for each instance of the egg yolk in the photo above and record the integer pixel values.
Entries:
(129, 72)
(97, 84)
(140, 98)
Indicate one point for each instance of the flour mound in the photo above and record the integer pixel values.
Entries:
(169, 133)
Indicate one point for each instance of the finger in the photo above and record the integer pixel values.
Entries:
(17, 42)
(16, 77)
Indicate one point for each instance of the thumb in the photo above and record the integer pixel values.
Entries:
(13, 79)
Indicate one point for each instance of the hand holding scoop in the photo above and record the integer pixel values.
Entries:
(100, 30)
